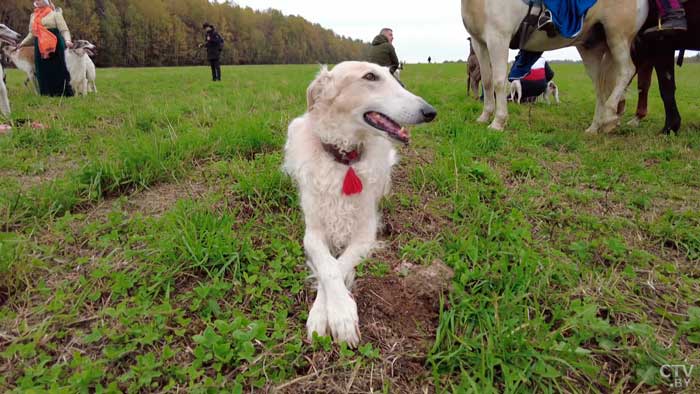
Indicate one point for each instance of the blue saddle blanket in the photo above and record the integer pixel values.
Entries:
(567, 15)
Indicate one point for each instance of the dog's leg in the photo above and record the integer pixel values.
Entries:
(334, 307)
(4, 100)
(359, 248)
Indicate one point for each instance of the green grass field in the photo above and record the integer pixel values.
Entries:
(150, 244)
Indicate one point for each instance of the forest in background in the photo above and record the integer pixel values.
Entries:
(136, 33)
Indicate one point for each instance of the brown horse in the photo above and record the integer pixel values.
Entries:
(473, 72)
(649, 54)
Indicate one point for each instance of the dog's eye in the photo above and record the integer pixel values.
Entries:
(370, 77)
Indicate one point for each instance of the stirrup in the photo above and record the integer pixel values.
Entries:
(544, 20)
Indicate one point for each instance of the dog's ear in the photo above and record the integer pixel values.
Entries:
(319, 88)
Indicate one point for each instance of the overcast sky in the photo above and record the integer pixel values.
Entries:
(421, 29)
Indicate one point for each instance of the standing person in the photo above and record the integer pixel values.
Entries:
(50, 36)
(382, 51)
(430, 59)
(214, 44)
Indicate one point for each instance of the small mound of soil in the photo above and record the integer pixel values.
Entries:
(400, 314)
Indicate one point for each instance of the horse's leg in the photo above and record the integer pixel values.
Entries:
(618, 76)
(665, 73)
(498, 51)
(592, 59)
(644, 71)
(482, 54)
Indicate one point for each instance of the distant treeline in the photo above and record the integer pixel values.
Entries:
(166, 33)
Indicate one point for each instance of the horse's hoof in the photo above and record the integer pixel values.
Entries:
(610, 124)
(609, 127)
(669, 130)
(592, 129)
(484, 118)
(498, 126)
(634, 122)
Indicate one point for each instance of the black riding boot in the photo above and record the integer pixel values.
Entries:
(673, 21)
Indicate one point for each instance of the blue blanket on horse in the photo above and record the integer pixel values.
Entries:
(568, 15)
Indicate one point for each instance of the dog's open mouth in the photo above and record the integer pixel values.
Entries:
(90, 52)
(387, 125)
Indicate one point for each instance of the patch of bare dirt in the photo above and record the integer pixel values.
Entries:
(399, 316)
(54, 169)
(153, 201)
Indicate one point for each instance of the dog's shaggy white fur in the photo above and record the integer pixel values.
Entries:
(91, 74)
(356, 107)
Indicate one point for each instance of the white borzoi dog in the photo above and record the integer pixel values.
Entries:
(516, 92)
(80, 66)
(340, 154)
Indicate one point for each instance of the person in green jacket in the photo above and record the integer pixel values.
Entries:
(382, 52)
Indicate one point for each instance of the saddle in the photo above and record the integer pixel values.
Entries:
(563, 18)
(531, 23)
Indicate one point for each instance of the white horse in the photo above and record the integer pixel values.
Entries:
(604, 44)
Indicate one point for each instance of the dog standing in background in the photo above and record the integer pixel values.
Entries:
(516, 93)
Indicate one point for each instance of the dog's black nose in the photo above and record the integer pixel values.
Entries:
(429, 113)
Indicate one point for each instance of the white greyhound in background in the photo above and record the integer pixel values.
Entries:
(80, 67)
(9, 37)
(340, 154)
(604, 43)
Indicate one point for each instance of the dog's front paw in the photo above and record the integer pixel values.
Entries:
(317, 321)
(343, 320)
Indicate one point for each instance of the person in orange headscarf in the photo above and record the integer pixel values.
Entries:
(50, 36)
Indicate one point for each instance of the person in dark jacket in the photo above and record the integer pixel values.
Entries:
(214, 45)
(382, 51)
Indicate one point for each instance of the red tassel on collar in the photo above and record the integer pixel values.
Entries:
(352, 184)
